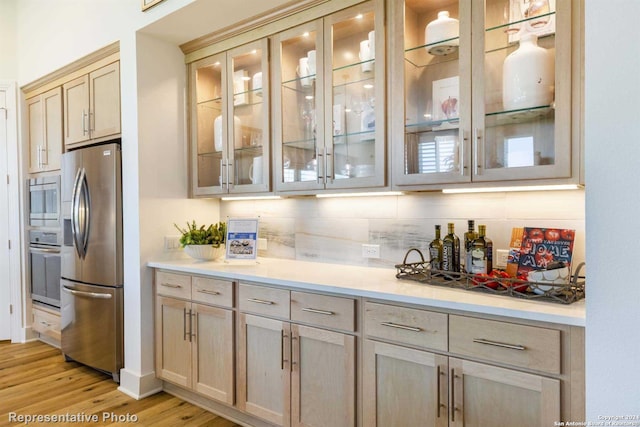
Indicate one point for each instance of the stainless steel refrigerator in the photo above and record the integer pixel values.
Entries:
(92, 266)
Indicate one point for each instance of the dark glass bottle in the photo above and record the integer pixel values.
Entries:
(451, 250)
(469, 237)
(481, 252)
(435, 251)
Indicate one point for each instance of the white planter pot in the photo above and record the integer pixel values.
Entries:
(204, 252)
(528, 76)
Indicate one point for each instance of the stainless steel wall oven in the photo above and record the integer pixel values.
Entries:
(44, 201)
(45, 265)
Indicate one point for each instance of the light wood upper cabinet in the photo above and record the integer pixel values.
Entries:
(230, 121)
(330, 101)
(92, 106)
(44, 116)
(456, 116)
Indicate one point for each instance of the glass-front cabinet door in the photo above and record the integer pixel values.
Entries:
(431, 59)
(230, 122)
(495, 107)
(354, 94)
(248, 167)
(522, 108)
(330, 102)
(299, 133)
(209, 130)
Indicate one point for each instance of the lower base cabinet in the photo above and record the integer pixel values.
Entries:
(195, 342)
(408, 387)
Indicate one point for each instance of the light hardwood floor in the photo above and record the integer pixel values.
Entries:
(35, 380)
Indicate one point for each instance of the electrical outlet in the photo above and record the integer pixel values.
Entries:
(262, 244)
(501, 258)
(370, 251)
(171, 243)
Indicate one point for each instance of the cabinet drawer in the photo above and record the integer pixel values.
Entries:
(529, 347)
(323, 310)
(264, 300)
(420, 328)
(212, 291)
(46, 323)
(173, 285)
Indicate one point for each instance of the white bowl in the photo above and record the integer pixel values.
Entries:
(558, 276)
(204, 252)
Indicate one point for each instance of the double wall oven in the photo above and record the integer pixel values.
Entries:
(45, 239)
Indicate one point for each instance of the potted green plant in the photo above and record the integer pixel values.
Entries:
(203, 243)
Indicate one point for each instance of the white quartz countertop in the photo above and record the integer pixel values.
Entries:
(379, 283)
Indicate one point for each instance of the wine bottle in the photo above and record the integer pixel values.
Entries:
(469, 237)
(435, 251)
(481, 252)
(451, 250)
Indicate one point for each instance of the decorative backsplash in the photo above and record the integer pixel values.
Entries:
(333, 230)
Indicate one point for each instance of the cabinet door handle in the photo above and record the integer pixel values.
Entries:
(84, 124)
(328, 167)
(47, 324)
(91, 128)
(184, 324)
(38, 155)
(500, 344)
(223, 167)
(463, 161)
(283, 338)
(295, 350)
(316, 311)
(479, 151)
(404, 327)
(208, 292)
(453, 395)
(193, 316)
(320, 165)
(438, 388)
(260, 301)
(171, 285)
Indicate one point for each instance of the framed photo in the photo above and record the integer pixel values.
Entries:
(242, 239)
(517, 8)
(146, 4)
(446, 99)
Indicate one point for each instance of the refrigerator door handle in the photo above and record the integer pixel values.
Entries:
(86, 206)
(75, 212)
(95, 295)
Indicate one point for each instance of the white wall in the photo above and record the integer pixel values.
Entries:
(8, 45)
(612, 133)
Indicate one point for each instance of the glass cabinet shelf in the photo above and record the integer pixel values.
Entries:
(504, 27)
(211, 154)
(354, 138)
(502, 118)
(305, 144)
(211, 102)
(432, 126)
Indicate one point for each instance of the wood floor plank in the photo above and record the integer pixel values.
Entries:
(36, 380)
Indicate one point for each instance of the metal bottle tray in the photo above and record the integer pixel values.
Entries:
(421, 271)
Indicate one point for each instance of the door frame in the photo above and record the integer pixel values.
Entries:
(15, 214)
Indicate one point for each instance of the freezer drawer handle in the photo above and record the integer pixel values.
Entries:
(499, 344)
(87, 294)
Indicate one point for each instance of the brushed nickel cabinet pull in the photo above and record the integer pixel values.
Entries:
(453, 395)
(193, 317)
(283, 338)
(316, 311)
(294, 344)
(260, 301)
(397, 326)
(438, 403)
(170, 285)
(499, 344)
(206, 291)
(184, 323)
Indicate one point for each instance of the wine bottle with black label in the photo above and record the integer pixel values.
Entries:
(481, 253)
(469, 237)
(451, 250)
(435, 251)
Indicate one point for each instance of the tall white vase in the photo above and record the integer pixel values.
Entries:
(528, 75)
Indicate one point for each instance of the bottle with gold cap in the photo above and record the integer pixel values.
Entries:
(451, 250)
(481, 253)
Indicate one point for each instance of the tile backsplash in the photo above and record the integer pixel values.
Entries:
(333, 230)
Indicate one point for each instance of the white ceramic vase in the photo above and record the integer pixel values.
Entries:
(528, 76)
(438, 34)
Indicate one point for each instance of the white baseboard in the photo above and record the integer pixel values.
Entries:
(137, 386)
